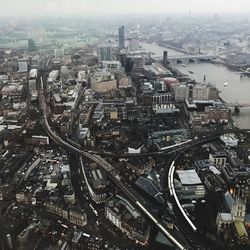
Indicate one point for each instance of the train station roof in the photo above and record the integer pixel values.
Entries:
(189, 177)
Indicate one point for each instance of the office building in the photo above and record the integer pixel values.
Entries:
(165, 58)
(105, 52)
(198, 92)
(121, 37)
(102, 81)
(31, 45)
(138, 65)
(97, 183)
(124, 82)
(217, 155)
(181, 92)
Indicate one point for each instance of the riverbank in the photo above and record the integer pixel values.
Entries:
(238, 87)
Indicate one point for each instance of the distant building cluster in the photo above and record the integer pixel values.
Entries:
(88, 122)
(46, 181)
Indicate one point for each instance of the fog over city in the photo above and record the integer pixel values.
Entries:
(124, 124)
(105, 7)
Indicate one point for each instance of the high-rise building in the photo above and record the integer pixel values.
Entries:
(123, 59)
(32, 46)
(138, 66)
(165, 58)
(105, 52)
(121, 37)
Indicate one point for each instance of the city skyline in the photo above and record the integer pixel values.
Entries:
(91, 7)
(124, 124)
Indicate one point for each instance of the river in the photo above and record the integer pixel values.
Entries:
(237, 90)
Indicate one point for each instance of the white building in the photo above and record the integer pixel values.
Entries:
(40, 139)
(135, 150)
(33, 73)
(53, 75)
(230, 140)
(200, 92)
(111, 64)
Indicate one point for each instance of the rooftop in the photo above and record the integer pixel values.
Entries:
(189, 177)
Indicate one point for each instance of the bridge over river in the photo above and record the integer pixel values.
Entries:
(185, 58)
(238, 104)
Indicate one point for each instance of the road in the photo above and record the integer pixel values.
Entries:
(201, 137)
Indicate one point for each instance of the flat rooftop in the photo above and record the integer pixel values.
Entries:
(188, 177)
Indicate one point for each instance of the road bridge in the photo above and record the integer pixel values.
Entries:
(202, 137)
(190, 58)
(173, 48)
(170, 178)
(238, 104)
(218, 133)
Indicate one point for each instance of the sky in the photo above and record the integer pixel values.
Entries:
(107, 7)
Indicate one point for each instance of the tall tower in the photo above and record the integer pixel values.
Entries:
(31, 45)
(121, 37)
(165, 58)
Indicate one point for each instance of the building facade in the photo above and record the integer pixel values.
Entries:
(121, 37)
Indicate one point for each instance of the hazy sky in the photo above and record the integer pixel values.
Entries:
(92, 7)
